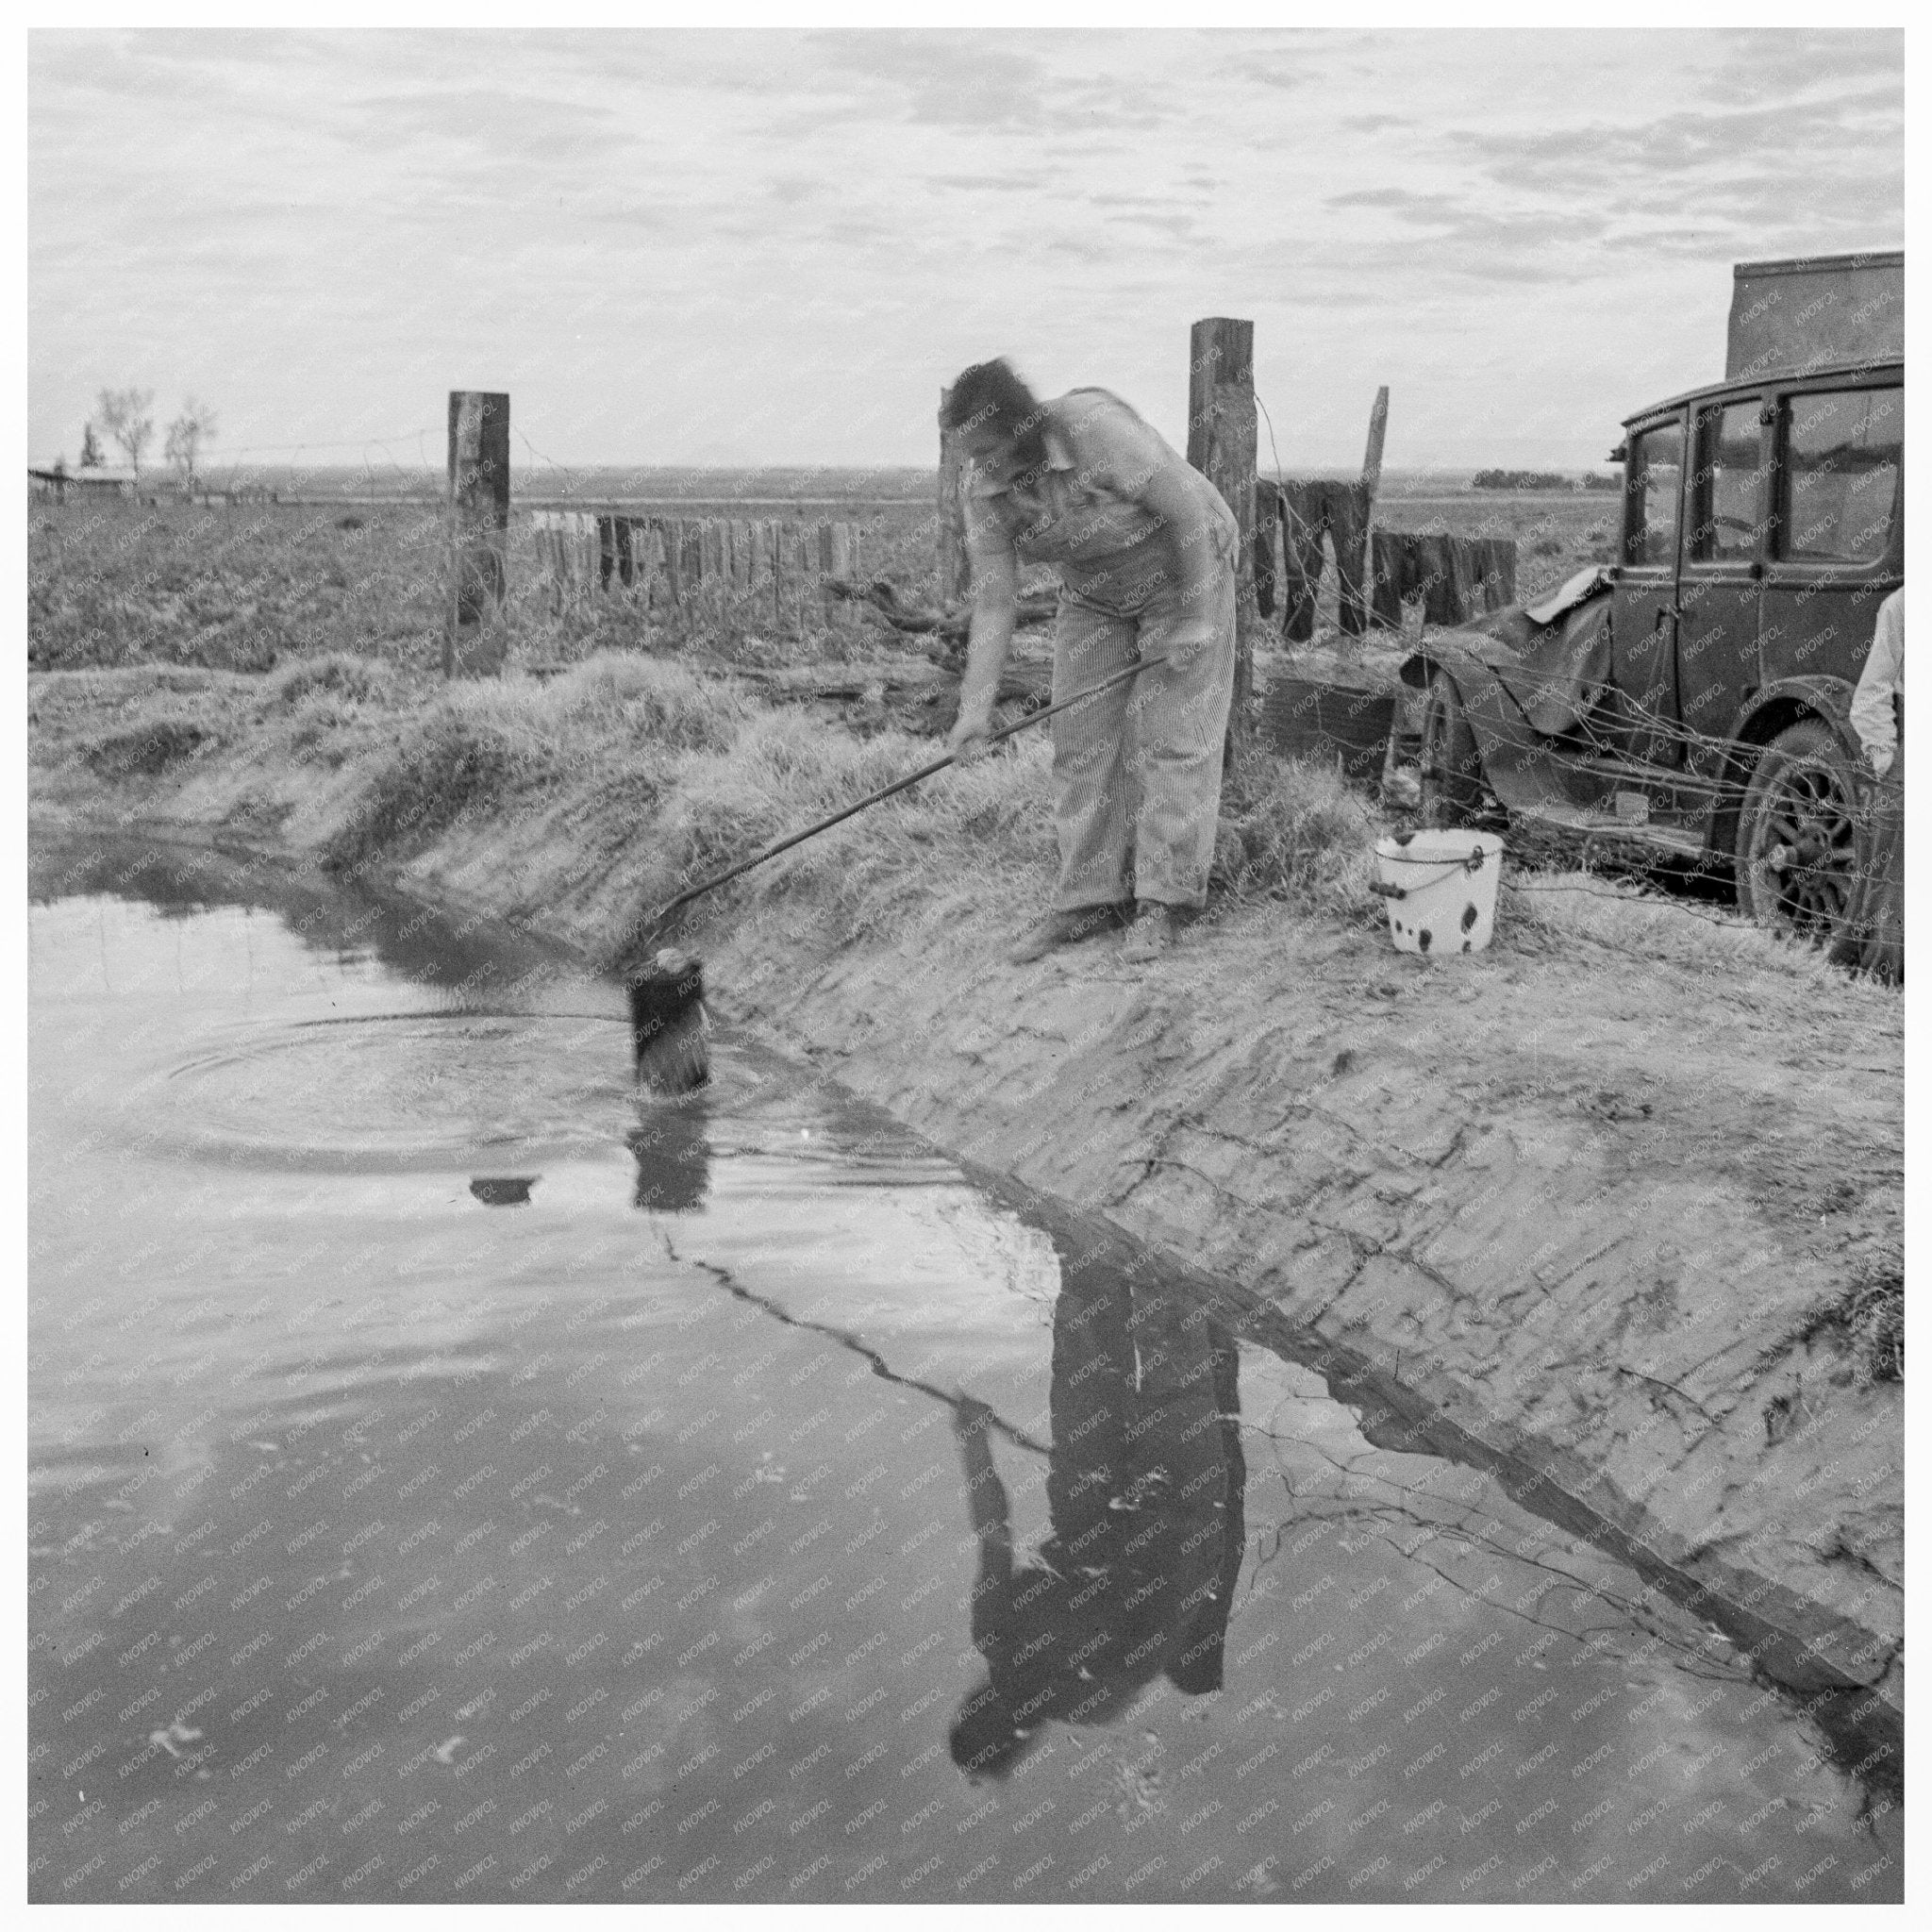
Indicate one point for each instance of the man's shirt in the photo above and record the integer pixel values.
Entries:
(1084, 508)
(1884, 674)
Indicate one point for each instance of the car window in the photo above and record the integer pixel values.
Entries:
(1653, 474)
(1841, 466)
(1724, 494)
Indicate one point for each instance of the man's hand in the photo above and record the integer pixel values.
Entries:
(967, 739)
(1188, 640)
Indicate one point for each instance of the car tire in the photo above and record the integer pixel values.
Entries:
(1797, 852)
(1452, 768)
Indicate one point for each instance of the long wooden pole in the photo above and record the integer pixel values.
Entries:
(1221, 444)
(911, 778)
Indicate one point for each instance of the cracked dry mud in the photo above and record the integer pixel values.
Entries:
(1589, 1209)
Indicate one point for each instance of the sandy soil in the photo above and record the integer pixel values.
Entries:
(1599, 1212)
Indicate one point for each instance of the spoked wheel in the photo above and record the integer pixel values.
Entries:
(1797, 852)
(1452, 768)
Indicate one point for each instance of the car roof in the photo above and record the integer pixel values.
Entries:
(1751, 385)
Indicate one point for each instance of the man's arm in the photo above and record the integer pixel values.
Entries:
(995, 605)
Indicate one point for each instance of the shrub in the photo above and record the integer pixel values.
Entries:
(1866, 1321)
(145, 750)
(339, 674)
(455, 760)
(1295, 829)
(651, 697)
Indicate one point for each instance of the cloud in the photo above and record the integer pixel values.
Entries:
(826, 202)
(1775, 138)
(1022, 182)
(1750, 65)
(494, 120)
(1404, 203)
(947, 79)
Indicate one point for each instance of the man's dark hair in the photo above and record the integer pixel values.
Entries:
(992, 394)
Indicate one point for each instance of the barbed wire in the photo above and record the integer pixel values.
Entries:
(563, 470)
(1649, 900)
(350, 442)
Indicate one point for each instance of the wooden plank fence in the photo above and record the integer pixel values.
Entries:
(692, 564)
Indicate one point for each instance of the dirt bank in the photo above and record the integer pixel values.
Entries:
(1619, 1200)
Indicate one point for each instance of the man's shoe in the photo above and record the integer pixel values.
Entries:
(1064, 929)
(1152, 932)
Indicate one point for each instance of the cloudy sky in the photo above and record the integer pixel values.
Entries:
(773, 247)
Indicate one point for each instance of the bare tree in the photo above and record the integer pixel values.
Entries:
(194, 426)
(127, 416)
(90, 458)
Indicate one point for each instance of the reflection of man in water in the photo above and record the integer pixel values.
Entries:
(673, 1156)
(1144, 1487)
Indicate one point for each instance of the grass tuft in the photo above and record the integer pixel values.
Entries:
(643, 697)
(1868, 1322)
(455, 759)
(148, 749)
(343, 675)
(1295, 830)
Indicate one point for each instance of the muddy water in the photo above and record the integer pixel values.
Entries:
(450, 1482)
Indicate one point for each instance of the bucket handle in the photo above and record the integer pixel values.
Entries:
(1383, 890)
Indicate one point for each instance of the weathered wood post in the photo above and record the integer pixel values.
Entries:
(826, 570)
(1371, 484)
(474, 645)
(1221, 444)
(1371, 456)
(953, 570)
(840, 562)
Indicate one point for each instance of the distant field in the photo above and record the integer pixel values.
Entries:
(557, 483)
(238, 585)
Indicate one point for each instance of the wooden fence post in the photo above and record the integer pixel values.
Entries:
(838, 565)
(711, 564)
(823, 549)
(673, 562)
(1371, 484)
(955, 571)
(474, 645)
(1371, 456)
(1221, 444)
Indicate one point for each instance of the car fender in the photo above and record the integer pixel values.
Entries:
(1815, 694)
(1461, 652)
(1518, 762)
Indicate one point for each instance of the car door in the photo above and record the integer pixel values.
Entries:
(1645, 603)
(1839, 546)
(1719, 584)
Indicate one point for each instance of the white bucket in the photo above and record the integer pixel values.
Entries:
(1441, 887)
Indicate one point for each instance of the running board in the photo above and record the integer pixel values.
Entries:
(1608, 826)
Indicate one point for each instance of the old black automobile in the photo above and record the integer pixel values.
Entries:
(1693, 697)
